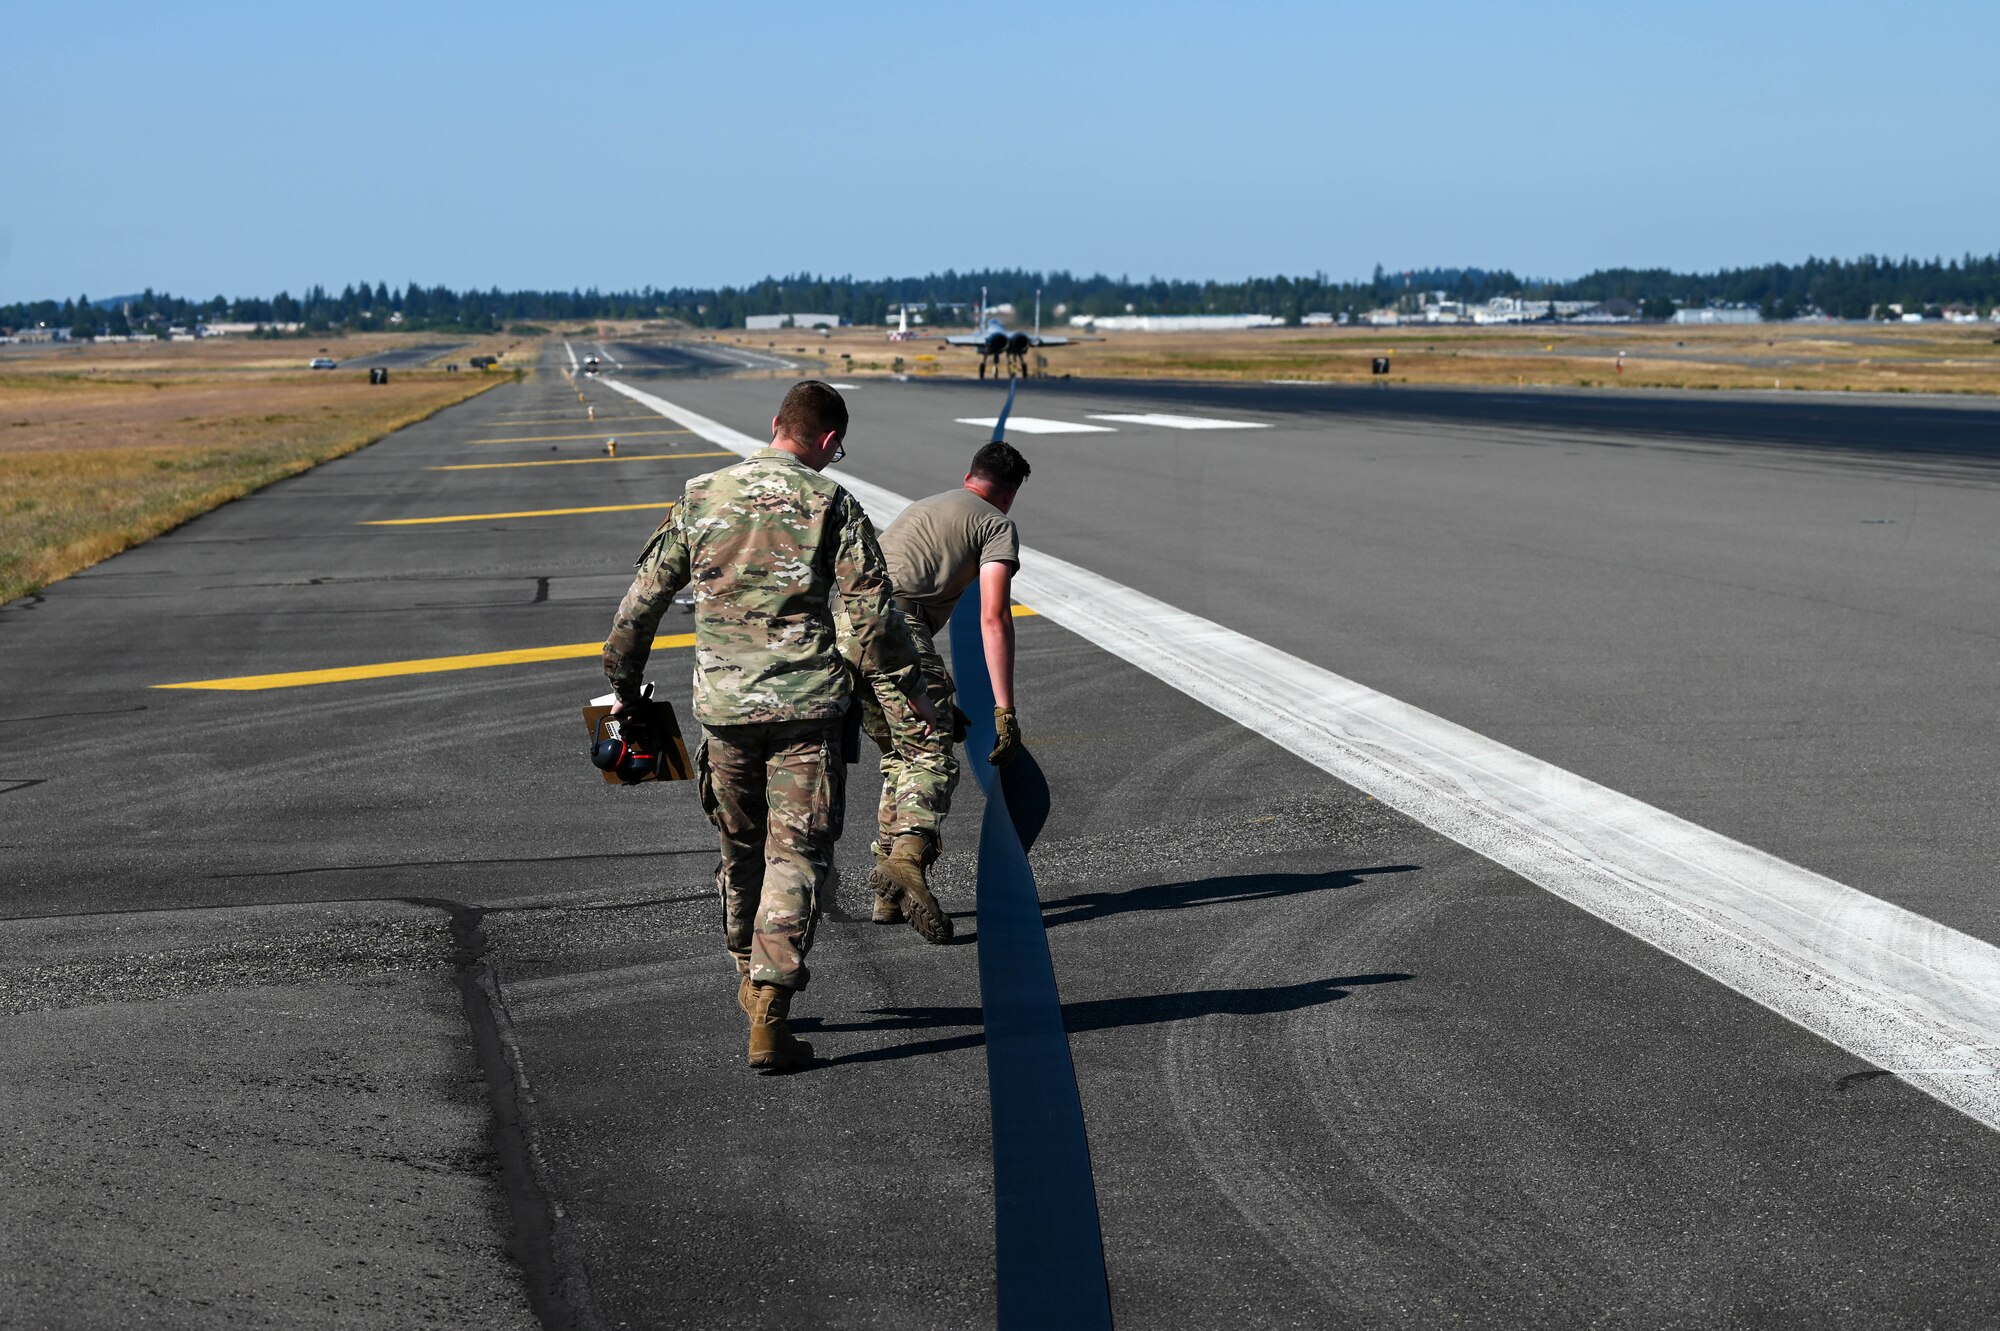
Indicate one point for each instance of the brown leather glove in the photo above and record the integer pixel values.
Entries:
(1007, 737)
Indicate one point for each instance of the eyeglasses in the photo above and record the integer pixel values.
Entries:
(839, 451)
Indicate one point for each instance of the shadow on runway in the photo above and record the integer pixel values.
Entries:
(1027, 792)
(1207, 892)
(1093, 1015)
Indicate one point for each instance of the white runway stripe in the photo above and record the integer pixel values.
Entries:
(714, 431)
(1035, 425)
(1890, 986)
(1172, 422)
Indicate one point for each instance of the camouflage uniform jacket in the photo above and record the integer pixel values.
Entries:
(766, 544)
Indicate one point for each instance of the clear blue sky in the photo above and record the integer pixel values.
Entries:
(243, 148)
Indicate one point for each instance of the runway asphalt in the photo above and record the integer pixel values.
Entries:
(1772, 618)
(1336, 1069)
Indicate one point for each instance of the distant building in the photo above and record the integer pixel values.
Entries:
(1510, 310)
(1174, 323)
(1318, 319)
(1614, 311)
(42, 334)
(770, 322)
(1517, 310)
(228, 329)
(1739, 314)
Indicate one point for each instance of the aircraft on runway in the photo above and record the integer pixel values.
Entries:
(995, 341)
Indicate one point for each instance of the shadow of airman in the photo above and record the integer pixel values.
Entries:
(1083, 906)
(1090, 1015)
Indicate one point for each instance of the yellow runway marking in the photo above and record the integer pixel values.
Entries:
(433, 665)
(577, 462)
(430, 665)
(556, 438)
(529, 513)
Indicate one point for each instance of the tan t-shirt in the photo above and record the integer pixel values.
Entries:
(935, 548)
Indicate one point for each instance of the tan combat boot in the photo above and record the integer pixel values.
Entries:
(903, 870)
(743, 993)
(773, 1047)
(888, 893)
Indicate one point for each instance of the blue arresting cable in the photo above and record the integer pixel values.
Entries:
(1048, 1250)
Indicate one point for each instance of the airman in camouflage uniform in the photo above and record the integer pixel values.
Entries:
(919, 771)
(767, 544)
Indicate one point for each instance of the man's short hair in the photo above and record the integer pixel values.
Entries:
(1000, 463)
(809, 411)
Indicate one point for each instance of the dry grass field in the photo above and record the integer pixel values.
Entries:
(245, 355)
(102, 447)
(1891, 358)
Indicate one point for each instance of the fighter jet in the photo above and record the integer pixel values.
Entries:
(994, 341)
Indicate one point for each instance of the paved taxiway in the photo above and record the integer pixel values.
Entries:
(1335, 1067)
(402, 357)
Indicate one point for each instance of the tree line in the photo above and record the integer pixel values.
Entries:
(1850, 289)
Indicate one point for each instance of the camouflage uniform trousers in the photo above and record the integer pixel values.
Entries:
(776, 794)
(919, 770)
